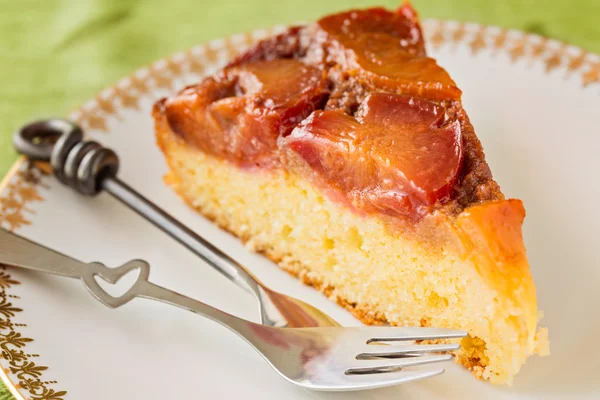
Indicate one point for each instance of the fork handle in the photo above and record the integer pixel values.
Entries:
(20, 252)
(152, 291)
(212, 255)
(17, 251)
(89, 168)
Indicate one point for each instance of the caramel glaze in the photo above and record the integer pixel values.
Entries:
(358, 53)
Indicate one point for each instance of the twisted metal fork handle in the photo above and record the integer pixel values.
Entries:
(90, 168)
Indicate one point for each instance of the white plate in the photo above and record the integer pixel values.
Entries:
(535, 106)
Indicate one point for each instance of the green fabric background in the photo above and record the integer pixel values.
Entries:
(56, 54)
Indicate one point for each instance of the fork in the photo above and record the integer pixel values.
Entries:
(89, 168)
(324, 358)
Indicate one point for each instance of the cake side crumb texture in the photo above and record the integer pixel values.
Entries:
(380, 275)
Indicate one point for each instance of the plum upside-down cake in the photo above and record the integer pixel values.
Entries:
(343, 153)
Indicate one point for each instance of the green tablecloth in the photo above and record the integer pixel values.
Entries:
(55, 54)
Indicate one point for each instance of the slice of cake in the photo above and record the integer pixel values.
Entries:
(342, 152)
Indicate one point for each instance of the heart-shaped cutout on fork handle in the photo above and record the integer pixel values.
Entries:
(112, 275)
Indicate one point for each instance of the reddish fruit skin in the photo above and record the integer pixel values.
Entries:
(391, 138)
(239, 113)
(398, 156)
(385, 50)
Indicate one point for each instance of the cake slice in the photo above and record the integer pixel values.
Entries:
(342, 152)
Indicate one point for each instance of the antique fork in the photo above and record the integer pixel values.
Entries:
(89, 168)
(325, 358)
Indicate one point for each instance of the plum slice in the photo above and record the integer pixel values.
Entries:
(239, 113)
(398, 155)
(376, 28)
(386, 50)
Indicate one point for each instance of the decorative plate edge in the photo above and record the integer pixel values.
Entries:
(21, 184)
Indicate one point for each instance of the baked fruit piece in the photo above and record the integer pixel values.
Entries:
(342, 152)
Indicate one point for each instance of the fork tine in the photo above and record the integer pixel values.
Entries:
(398, 350)
(381, 365)
(391, 334)
(373, 381)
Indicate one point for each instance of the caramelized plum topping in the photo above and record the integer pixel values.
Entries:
(386, 50)
(376, 28)
(491, 234)
(398, 156)
(421, 76)
(495, 228)
(240, 113)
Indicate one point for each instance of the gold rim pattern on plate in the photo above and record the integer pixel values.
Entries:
(24, 183)
(13, 345)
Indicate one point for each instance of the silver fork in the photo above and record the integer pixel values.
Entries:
(89, 168)
(325, 358)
